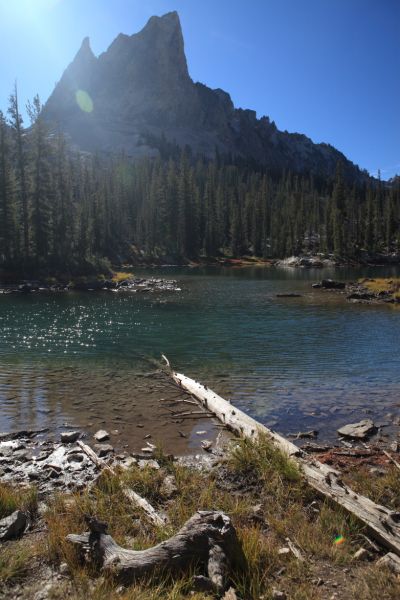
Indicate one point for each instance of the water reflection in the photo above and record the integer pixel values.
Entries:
(307, 362)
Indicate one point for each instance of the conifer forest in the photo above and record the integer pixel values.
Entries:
(64, 211)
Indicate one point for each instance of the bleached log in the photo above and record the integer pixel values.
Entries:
(207, 540)
(382, 523)
(391, 561)
(146, 506)
(129, 493)
(99, 462)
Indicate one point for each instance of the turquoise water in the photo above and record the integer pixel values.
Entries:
(294, 363)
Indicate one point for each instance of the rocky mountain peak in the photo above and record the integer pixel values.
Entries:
(140, 90)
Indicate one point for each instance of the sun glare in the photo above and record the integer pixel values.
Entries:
(84, 101)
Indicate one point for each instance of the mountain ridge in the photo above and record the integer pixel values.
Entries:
(141, 89)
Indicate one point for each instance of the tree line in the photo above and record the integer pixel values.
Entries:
(66, 211)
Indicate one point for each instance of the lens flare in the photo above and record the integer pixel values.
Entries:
(339, 539)
(84, 101)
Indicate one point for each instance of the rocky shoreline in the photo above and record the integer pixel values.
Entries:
(28, 457)
(133, 285)
(320, 261)
(365, 291)
(55, 490)
(31, 457)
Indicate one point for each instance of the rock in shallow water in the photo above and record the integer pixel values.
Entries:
(68, 437)
(103, 449)
(359, 430)
(101, 435)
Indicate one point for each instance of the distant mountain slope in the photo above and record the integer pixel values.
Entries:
(140, 89)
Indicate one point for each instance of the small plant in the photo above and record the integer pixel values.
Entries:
(260, 456)
(14, 563)
(12, 499)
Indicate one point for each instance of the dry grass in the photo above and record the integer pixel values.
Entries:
(12, 498)
(383, 489)
(14, 563)
(380, 285)
(119, 276)
(268, 502)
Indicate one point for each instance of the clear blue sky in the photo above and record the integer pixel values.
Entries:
(326, 68)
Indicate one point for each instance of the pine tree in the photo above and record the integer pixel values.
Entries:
(16, 123)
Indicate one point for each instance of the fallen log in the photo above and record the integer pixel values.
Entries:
(144, 505)
(208, 540)
(382, 523)
(129, 493)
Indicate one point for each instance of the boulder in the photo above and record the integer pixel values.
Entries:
(331, 284)
(103, 449)
(359, 430)
(68, 437)
(101, 435)
(12, 526)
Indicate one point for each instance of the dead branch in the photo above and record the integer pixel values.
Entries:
(207, 540)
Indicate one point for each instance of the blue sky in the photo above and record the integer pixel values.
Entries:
(326, 68)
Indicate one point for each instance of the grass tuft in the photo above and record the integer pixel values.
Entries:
(12, 498)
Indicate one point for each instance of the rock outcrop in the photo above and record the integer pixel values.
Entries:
(138, 95)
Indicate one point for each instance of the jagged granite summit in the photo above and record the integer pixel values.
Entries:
(140, 90)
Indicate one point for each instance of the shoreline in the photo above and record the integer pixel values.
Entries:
(282, 524)
(103, 281)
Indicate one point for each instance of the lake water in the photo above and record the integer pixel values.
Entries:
(314, 362)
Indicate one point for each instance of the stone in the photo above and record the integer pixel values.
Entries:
(307, 435)
(359, 430)
(284, 551)
(278, 594)
(12, 526)
(63, 569)
(289, 295)
(103, 449)
(101, 435)
(75, 457)
(128, 462)
(168, 487)
(206, 445)
(68, 437)
(361, 554)
(394, 446)
(150, 464)
(331, 284)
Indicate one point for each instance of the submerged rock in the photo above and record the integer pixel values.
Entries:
(359, 430)
(288, 295)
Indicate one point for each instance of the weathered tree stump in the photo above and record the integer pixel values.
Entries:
(207, 540)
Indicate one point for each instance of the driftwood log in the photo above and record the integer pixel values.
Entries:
(208, 540)
(150, 512)
(382, 523)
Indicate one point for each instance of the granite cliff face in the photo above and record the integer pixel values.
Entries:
(140, 89)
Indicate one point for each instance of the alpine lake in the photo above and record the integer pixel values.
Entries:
(86, 360)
